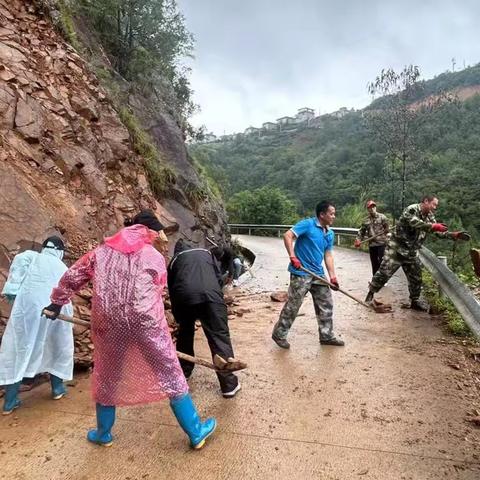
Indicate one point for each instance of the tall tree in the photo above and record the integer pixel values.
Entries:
(395, 123)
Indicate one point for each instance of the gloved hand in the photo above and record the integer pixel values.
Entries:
(439, 227)
(55, 309)
(295, 262)
(10, 298)
(357, 243)
(335, 284)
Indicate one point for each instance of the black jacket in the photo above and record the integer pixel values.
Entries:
(194, 277)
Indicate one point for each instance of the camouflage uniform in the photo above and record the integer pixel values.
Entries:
(322, 302)
(374, 225)
(402, 250)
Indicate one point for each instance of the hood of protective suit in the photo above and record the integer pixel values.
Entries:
(131, 239)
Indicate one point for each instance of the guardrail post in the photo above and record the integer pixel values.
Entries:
(249, 231)
(443, 259)
(338, 240)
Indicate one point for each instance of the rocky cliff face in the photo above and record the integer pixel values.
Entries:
(66, 160)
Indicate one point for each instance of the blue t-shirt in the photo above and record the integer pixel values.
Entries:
(311, 244)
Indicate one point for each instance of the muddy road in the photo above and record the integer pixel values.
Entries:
(394, 403)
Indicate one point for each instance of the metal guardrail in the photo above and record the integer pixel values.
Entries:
(462, 298)
(249, 227)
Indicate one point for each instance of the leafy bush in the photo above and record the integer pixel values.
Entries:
(267, 205)
(442, 304)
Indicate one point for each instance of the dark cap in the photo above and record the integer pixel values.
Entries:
(147, 218)
(55, 242)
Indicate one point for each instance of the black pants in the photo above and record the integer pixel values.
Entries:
(376, 256)
(214, 320)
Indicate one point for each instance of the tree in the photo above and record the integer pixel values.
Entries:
(145, 40)
(395, 125)
(266, 205)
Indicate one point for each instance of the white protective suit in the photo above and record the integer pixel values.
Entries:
(32, 343)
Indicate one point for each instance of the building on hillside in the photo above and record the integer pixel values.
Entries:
(269, 126)
(282, 121)
(209, 137)
(340, 113)
(252, 130)
(305, 114)
(316, 122)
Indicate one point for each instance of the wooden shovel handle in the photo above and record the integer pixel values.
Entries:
(183, 356)
(333, 287)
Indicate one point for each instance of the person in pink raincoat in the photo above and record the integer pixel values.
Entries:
(135, 361)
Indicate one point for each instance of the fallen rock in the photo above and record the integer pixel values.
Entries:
(280, 296)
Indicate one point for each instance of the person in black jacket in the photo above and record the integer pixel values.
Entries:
(195, 287)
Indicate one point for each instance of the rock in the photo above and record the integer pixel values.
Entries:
(475, 421)
(280, 296)
(28, 119)
(84, 108)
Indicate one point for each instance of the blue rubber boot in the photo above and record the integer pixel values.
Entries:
(58, 388)
(11, 401)
(188, 418)
(105, 420)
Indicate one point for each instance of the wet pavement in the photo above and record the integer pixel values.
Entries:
(385, 406)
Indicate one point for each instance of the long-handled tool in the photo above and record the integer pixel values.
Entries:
(219, 364)
(373, 237)
(377, 307)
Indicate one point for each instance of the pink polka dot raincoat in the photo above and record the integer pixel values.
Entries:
(135, 360)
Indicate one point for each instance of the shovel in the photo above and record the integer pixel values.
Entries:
(377, 307)
(219, 364)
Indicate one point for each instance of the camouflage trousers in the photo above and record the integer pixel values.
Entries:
(322, 302)
(391, 262)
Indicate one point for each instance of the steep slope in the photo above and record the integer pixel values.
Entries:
(68, 164)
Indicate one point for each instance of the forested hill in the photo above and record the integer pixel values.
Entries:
(342, 160)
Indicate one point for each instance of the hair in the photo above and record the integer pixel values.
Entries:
(428, 198)
(323, 207)
(146, 218)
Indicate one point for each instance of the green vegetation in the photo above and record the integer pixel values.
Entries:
(67, 25)
(442, 304)
(342, 161)
(146, 41)
(266, 205)
(160, 176)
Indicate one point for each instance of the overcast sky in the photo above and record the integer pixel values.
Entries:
(257, 60)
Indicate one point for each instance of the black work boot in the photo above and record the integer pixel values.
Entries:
(369, 297)
(281, 342)
(420, 305)
(337, 342)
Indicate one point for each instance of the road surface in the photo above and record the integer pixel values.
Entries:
(386, 406)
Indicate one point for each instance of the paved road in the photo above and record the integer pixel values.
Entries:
(386, 406)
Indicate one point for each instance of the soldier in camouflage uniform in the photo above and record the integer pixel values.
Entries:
(376, 226)
(313, 244)
(402, 250)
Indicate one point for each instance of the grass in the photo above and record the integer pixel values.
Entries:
(441, 304)
(67, 25)
(160, 176)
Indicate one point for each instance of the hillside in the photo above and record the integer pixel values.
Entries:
(76, 161)
(342, 161)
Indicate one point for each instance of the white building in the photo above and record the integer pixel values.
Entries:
(269, 126)
(209, 137)
(251, 130)
(340, 113)
(286, 121)
(305, 114)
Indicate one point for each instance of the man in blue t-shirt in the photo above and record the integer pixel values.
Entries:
(313, 246)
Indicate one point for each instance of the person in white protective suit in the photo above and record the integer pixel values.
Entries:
(32, 343)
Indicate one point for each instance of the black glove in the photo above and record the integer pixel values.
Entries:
(54, 308)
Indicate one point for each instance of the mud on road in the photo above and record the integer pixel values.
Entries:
(396, 402)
